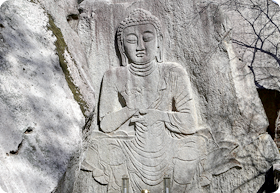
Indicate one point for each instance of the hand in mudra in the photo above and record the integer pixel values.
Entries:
(147, 117)
(133, 98)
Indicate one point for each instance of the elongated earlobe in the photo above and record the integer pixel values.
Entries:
(124, 59)
(159, 56)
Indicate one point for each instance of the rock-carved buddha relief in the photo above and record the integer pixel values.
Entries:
(148, 119)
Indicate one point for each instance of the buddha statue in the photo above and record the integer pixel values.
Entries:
(148, 119)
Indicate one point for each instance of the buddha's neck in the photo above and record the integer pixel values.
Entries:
(142, 69)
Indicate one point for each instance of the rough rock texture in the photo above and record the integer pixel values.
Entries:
(52, 64)
(255, 30)
(63, 21)
(255, 27)
(41, 123)
(271, 103)
(198, 36)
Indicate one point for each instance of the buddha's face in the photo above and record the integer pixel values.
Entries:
(140, 43)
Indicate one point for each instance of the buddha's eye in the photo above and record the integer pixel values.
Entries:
(148, 37)
(131, 39)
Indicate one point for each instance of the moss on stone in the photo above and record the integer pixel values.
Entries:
(61, 47)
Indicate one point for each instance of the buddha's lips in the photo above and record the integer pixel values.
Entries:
(140, 54)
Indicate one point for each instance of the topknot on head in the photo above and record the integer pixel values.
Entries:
(137, 17)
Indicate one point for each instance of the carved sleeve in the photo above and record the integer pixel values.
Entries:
(108, 96)
(112, 115)
(183, 117)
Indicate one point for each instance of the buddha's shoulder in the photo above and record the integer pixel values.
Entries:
(116, 73)
(173, 67)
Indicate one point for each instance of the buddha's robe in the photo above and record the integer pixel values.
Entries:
(149, 152)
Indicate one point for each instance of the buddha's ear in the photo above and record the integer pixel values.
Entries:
(159, 56)
(124, 59)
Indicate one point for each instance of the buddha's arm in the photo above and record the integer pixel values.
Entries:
(177, 122)
(149, 116)
(181, 123)
(111, 113)
(184, 118)
(114, 120)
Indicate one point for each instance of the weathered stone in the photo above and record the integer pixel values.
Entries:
(54, 55)
(200, 41)
(41, 123)
(254, 31)
(63, 14)
(148, 110)
(277, 129)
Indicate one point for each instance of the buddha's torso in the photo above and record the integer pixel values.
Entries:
(143, 89)
(147, 150)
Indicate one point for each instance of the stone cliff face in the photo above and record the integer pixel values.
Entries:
(41, 121)
(53, 55)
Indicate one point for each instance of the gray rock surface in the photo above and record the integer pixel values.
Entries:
(198, 36)
(255, 27)
(52, 64)
(41, 123)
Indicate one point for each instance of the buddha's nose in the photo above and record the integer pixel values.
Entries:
(140, 45)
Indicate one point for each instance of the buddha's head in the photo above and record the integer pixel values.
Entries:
(139, 38)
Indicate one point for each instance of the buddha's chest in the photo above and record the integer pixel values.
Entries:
(141, 91)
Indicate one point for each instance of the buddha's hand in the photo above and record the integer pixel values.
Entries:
(133, 98)
(148, 117)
